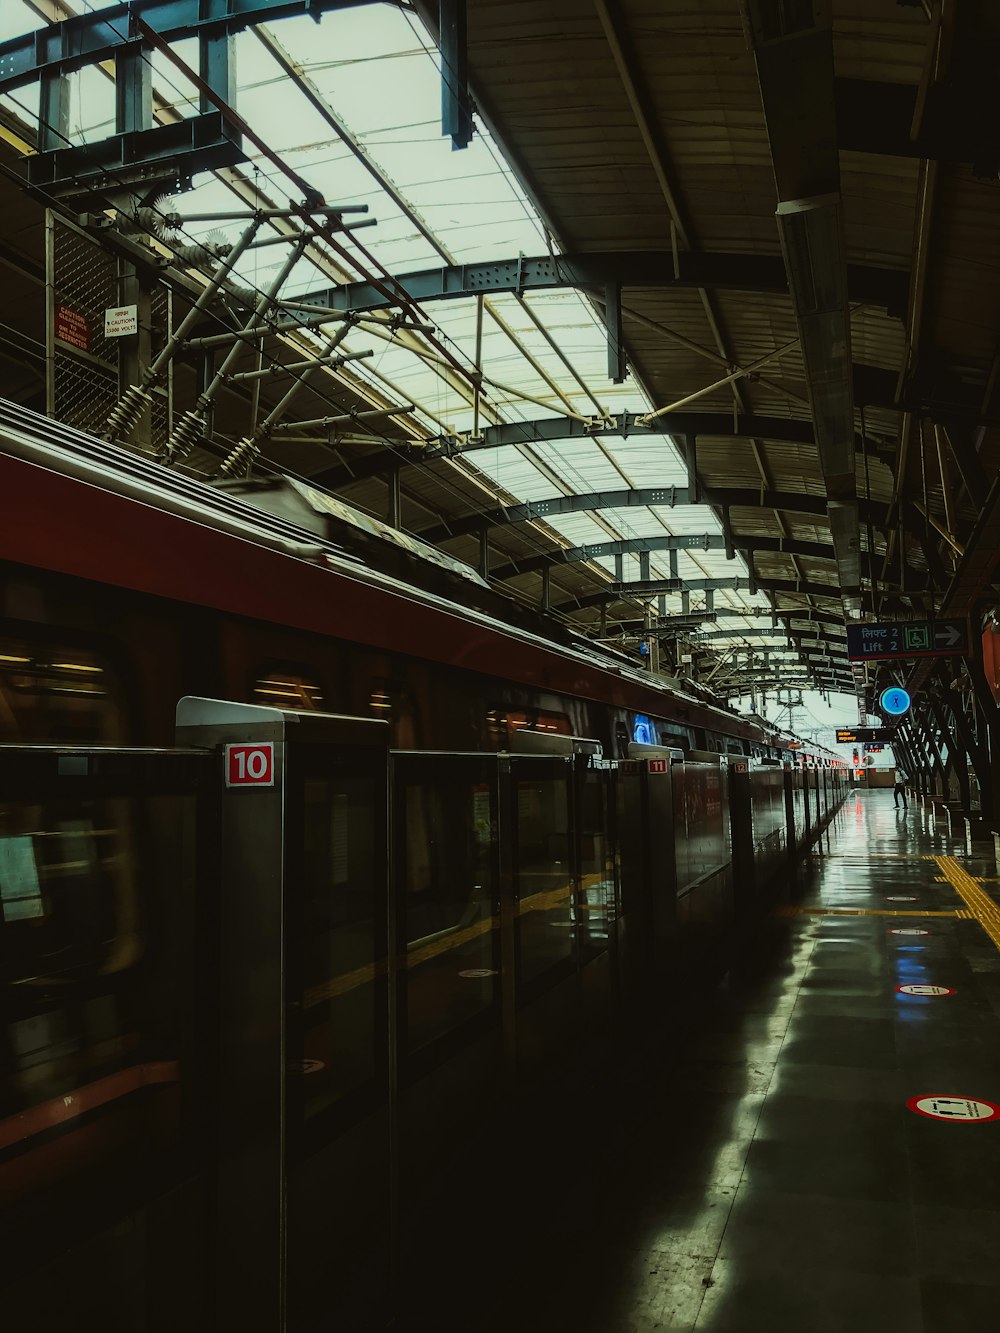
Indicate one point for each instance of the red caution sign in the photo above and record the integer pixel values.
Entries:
(72, 327)
(657, 765)
(956, 1110)
(250, 765)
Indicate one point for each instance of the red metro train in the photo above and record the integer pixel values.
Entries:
(560, 839)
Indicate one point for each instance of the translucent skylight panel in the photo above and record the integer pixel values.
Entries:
(581, 464)
(650, 460)
(508, 470)
(580, 529)
(687, 520)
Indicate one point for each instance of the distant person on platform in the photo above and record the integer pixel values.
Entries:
(899, 789)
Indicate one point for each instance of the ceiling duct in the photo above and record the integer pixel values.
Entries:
(793, 46)
(812, 243)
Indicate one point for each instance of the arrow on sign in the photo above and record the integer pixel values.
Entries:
(947, 635)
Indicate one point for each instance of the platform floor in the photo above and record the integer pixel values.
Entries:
(774, 1178)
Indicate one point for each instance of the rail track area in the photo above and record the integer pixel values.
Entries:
(824, 1153)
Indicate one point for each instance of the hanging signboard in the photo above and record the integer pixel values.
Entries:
(872, 735)
(919, 638)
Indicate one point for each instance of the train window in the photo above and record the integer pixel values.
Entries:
(50, 693)
(595, 896)
(284, 689)
(393, 702)
(643, 732)
(502, 723)
(448, 872)
(546, 916)
(99, 1082)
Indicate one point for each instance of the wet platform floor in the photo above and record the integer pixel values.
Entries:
(774, 1176)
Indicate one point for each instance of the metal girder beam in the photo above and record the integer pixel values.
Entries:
(792, 502)
(642, 546)
(875, 117)
(90, 38)
(867, 284)
(807, 614)
(721, 425)
(700, 636)
(624, 591)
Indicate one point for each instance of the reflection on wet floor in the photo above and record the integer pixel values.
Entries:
(772, 1176)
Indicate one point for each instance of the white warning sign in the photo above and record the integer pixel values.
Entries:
(120, 321)
(908, 930)
(959, 1110)
(920, 988)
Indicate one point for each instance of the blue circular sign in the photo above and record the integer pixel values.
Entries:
(895, 701)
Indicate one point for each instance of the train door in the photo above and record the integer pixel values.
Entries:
(596, 891)
(542, 911)
(449, 1050)
(703, 845)
(306, 1137)
(648, 926)
(791, 814)
(108, 952)
(743, 820)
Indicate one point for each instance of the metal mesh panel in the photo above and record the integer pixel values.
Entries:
(85, 367)
(84, 279)
(160, 325)
(85, 392)
(83, 380)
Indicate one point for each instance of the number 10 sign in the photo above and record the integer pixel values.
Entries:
(250, 765)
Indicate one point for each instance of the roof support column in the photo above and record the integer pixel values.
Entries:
(691, 458)
(456, 115)
(53, 112)
(617, 369)
(393, 507)
(989, 716)
(957, 757)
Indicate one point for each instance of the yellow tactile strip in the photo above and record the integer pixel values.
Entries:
(960, 913)
(978, 901)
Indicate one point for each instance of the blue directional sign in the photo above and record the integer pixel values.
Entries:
(918, 638)
(894, 701)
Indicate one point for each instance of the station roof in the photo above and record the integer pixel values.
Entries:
(709, 303)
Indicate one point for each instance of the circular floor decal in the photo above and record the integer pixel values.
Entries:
(920, 988)
(474, 973)
(960, 1110)
(305, 1066)
(901, 898)
(908, 930)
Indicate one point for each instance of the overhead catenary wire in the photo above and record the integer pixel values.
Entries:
(465, 496)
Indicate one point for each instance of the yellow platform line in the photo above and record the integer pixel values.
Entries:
(866, 911)
(875, 856)
(977, 900)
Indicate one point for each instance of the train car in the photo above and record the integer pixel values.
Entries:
(560, 843)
